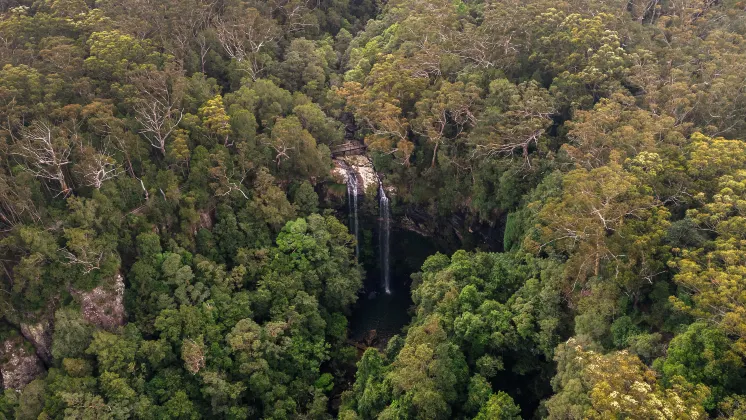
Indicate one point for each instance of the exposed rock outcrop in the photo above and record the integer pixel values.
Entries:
(205, 220)
(40, 335)
(20, 364)
(104, 305)
(361, 166)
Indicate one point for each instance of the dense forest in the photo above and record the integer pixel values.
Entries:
(177, 242)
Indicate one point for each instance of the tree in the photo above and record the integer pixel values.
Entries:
(296, 147)
(21, 93)
(46, 152)
(596, 386)
(713, 276)
(579, 79)
(445, 114)
(216, 120)
(97, 167)
(321, 248)
(269, 202)
(158, 107)
(72, 335)
(227, 174)
(179, 151)
(306, 66)
(429, 371)
(243, 32)
(306, 199)
(501, 407)
(16, 199)
(389, 92)
(323, 128)
(113, 55)
(369, 392)
(515, 119)
(703, 355)
(596, 207)
(616, 125)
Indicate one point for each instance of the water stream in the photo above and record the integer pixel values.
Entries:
(384, 234)
(352, 193)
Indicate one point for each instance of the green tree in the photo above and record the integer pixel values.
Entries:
(704, 355)
(592, 385)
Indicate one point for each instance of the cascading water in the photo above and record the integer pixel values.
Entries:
(352, 207)
(384, 232)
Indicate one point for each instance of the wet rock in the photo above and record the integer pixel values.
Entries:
(363, 167)
(371, 338)
(104, 305)
(419, 228)
(20, 364)
(40, 335)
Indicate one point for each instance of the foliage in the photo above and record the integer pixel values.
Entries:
(170, 234)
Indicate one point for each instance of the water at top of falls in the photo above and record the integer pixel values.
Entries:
(384, 232)
(352, 193)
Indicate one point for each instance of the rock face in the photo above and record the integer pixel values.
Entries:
(40, 335)
(361, 166)
(104, 305)
(20, 365)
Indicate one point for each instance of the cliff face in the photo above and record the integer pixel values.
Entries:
(23, 356)
(361, 166)
(458, 230)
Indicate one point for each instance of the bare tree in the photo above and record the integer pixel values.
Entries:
(227, 181)
(513, 140)
(243, 34)
(158, 109)
(45, 154)
(99, 167)
(227, 176)
(186, 20)
(88, 263)
(293, 13)
(281, 148)
(203, 50)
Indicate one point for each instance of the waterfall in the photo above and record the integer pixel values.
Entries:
(352, 207)
(384, 231)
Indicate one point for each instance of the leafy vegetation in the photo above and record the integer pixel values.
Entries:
(170, 223)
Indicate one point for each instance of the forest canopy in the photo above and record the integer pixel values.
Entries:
(176, 240)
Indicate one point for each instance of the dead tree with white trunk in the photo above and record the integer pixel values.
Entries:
(97, 167)
(243, 34)
(158, 109)
(45, 153)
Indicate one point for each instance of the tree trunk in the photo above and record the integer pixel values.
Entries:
(435, 154)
